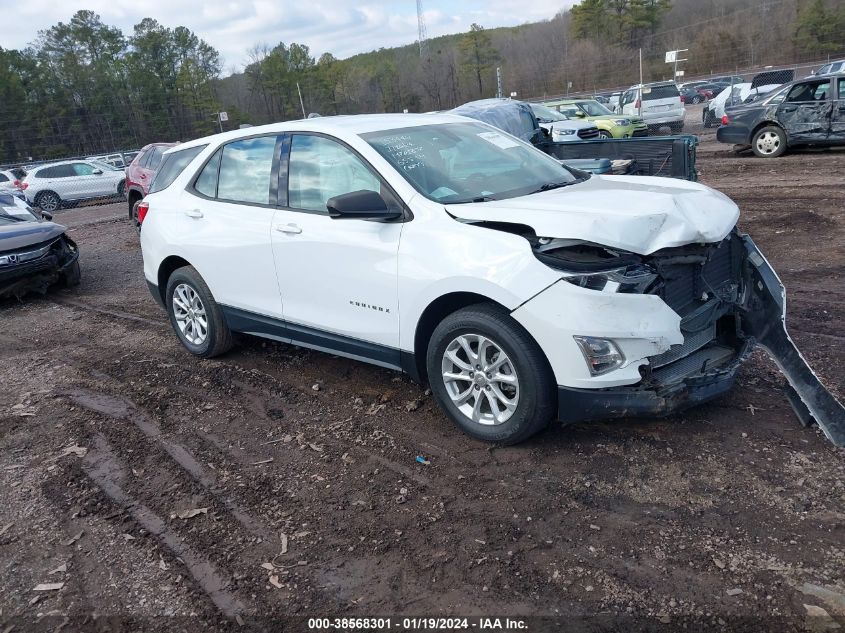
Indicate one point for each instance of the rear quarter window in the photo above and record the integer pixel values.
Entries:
(172, 165)
(652, 93)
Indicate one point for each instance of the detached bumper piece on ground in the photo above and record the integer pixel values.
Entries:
(730, 299)
(33, 268)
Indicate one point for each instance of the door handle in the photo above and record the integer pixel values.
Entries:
(194, 213)
(288, 228)
(143, 176)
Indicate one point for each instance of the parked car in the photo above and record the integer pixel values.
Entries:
(561, 128)
(54, 185)
(35, 253)
(734, 95)
(830, 68)
(140, 173)
(527, 291)
(658, 104)
(610, 125)
(804, 112)
(518, 118)
(690, 95)
(10, 179)
(710, 90)
(727, 79)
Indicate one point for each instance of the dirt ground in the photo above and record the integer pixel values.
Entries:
(169, 493)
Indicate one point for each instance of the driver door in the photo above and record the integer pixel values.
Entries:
(338, 277)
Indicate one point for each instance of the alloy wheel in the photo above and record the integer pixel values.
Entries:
(189, 313)
(480, 379)
(768, 143)
(48, 202)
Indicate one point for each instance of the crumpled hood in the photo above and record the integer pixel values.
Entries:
(22, 234)
(640, 214)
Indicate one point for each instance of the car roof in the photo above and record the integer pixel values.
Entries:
(352, 124)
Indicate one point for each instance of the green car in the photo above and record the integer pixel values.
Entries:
(610, 125)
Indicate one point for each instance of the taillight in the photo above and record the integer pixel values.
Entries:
(23, 185)
(725, 120)
(143, 208)
(637, 104)
(683, 99)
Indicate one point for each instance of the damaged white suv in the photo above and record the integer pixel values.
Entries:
(520, 290)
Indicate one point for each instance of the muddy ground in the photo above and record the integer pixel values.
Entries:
(169, 493)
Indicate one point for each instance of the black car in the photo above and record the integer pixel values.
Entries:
(805, 112)
(35, 253)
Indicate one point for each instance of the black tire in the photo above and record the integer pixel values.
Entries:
(48, 201)
(134, 216)
(218, 339)
(121, 189)
(676, 128)
(697, 99)
(766, 150)
(72, 276)
(536, 404)
(707, 118)
(604, 134)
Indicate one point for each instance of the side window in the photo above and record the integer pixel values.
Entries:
(83, 169)
(320, 169)
(841, 84)
(810, 91)
(206, 182)
(155, 158)
(3, 178)
(145, 158)
(245, 170)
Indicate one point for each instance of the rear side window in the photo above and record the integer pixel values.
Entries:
(155, 158)
(245, 170)
(206, 183)
(666, 91)
(3, 178)
(56, 171)
(173, 165)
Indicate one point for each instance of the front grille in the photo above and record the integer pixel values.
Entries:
(700, 362)
(641, 132)
(588, 132)
(692, 342)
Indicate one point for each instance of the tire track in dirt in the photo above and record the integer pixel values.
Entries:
(104, 469)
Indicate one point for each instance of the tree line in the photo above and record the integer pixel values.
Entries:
(85, 87)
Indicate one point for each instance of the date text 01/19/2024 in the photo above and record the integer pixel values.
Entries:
(417, 624)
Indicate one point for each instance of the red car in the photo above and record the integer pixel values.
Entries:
(139, 175)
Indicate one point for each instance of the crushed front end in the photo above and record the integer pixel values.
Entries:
(727, 298)
(34, 268)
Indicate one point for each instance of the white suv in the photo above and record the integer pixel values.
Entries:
(659, 104)
(520, 290)
(53, 185)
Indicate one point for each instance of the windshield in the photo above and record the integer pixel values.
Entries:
(544, 113)
(467, 162)
(594, 108)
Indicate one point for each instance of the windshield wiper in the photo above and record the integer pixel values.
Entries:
(12, 217)
(553, 185)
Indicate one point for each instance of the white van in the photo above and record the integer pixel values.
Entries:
(659, 104)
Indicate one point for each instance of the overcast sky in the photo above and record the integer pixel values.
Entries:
(233, 26)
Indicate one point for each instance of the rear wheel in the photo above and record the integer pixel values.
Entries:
(48, 201)
(121, 188)
(489, 376)
(195, 316)
(135, 221)
(769, 142)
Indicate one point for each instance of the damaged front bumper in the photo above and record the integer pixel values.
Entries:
(33, 269)
(748, 309)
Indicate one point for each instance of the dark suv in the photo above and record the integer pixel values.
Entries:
(139, 175)
(804, 112)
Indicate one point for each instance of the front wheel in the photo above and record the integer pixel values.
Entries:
(489, 376)
(769, 142)
(604, 134)
(195, 316)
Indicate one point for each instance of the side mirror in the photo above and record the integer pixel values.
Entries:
(360, 205)
(97, 172)
(47, 215)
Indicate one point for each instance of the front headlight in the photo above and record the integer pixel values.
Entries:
(596, 267)
(622, 122)
(563, 132)
(601, 354)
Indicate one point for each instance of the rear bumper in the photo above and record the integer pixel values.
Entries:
(733, 135)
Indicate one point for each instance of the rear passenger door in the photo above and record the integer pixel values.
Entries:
(805, 113)
(224, 225)
(837, 119)
(338, 278)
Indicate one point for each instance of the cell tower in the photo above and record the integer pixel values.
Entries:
(421, 27)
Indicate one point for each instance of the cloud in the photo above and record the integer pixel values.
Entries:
(234, 26)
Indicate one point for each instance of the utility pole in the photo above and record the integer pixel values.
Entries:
(499, 92)
(301, 104)
(640, 100)
(421, 29)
